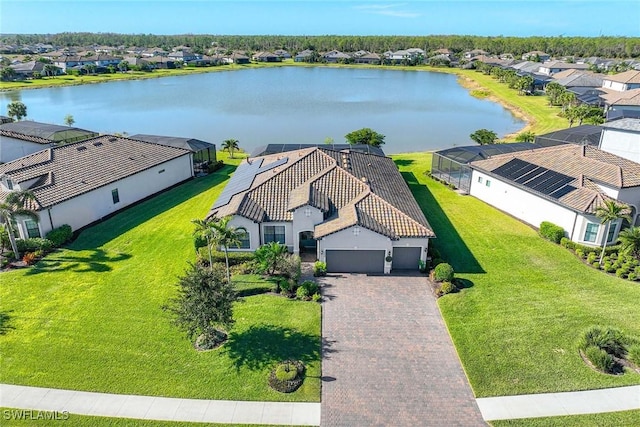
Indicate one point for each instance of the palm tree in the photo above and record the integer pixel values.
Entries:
(203, 228)
(14, 205)
(608, 212)
(230, 145)
(225, 235)
(629, 239)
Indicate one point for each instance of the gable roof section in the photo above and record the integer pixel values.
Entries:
(74, 169)
(350, 188)
(568, 174)
(631, 76)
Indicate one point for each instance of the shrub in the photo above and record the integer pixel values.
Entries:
(443, 273)
(214, 166)
(320, 269)
(634, 354)
(33, 244)
(61, 235)
(316, 297)
(591, 257)
(29, 258)
(580, 253)
(600, 359)
(632, 277)
(609, 339)
(235, 258)
(286, 372)
(637, 271)
(290, 267)
(307, 289)
(622, 272)
(565, 242)
(446, 288)
(608, 267)
(9, 255)
(199, 241)
(595, 264)
(287, 376)
(551, 232)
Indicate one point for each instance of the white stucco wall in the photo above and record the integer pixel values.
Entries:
(613, 85)
(620, 143)
(302, 222)
(521, 204)
(252, 228)
(12, 148)
(347, 239)
(581, 226)
(89, 207)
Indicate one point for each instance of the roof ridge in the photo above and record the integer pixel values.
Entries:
(308, 185)
(25, 167)
(398, 211)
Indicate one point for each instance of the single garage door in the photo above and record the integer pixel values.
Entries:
(355, 261)
(406, 258)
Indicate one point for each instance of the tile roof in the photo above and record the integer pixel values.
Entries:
(30, 138)
(349, 187)
(588, 166)
(61, 173)
(631, 76)
(627, 124)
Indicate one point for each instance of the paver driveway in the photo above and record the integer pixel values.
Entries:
(388, 359)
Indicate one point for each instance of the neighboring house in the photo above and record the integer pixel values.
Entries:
(354, 211)
(81, 183)
(624, 104)
(283, 54)
(283, 148)
(398, 56)
(452, 165)
(67, 62)
(622, 138)
(564, 185)
(154, 51)
(183, 55)
(577, 78)
(335, 56)
(55, 134)
(27, 69)
(475, 52)
(203, 152)
(367, 58)
(236, 58)
(553, 67)
(303, 56)
(624, 81)
(14, 145)
(536, 55)
(266, 57)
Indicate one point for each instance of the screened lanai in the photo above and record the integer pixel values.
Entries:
(452, 164)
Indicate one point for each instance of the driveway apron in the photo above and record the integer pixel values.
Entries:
(388, 359)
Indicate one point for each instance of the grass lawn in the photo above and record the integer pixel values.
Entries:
(90, 421)
(611, 419)
(516, 324)
(89, 317)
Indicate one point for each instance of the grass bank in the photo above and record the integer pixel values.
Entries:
(527, 300)
(89, 317)
(612, 419)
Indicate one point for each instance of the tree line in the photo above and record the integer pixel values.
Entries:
(603, 46)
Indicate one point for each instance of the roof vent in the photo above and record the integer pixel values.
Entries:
(364, 179)
(81, 148)
(113, 139)
(97, 144)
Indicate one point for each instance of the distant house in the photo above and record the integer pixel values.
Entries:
(154, 51)
(367, 58)
(183, 56)
(352, 210)
(553, 67)
(622, 104)
(475, 52)
(266, 57)
(580, 135)
(536, 55)
(203, 152)
(303, 56)
(578, 78)
(27, 69)
(564, 184)
(67, 62)
(335, 56)
(282, 53)
(236, 58)
(412, 54)
(81, 183)
(623, 81)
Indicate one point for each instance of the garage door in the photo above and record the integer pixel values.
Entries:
(406, 258)
(347, 261)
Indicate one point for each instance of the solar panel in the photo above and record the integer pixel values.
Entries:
(562, 191)
(526, 173)
(240, 181)
(510, 168)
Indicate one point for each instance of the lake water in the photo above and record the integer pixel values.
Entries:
(416, 111)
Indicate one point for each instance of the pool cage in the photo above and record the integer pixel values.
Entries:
(452, 164)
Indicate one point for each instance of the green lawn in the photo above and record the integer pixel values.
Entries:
(611, 419)
(89, 317)
(516, 324)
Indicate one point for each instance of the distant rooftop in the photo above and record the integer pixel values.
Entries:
(282, 148)
(624, 124)
(48, 131)
(190, 144)
(471, 153)
(584, 134)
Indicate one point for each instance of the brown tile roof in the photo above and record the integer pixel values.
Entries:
(631, 76)
(588, 166)
(63, 172)
(349, 187)
(30, 138)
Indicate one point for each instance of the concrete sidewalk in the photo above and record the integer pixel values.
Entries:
(557, 404)
(159, 408)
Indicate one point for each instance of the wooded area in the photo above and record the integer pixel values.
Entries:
(604, 46)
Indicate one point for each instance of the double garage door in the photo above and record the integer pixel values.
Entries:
(355, 261)
(371, 261)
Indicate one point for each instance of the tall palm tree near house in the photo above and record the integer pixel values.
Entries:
(230, 145)
(15, 205)
(629, 239)
(609, 212)
(226, 235)
(203, 229)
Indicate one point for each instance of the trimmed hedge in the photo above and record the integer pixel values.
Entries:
(443, 273)
(235, 258)
(34, 244)
(551, 232)
(61, 235)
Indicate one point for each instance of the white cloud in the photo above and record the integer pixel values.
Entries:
(395, 10)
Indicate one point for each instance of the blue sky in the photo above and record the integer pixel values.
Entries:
(315, 17)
